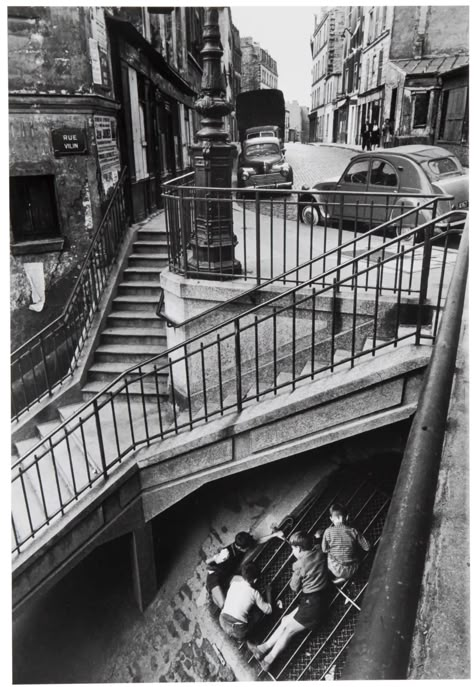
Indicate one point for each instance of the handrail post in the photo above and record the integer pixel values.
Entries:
(238, 365)
(258, 237)
(100, 439)
(424, 280)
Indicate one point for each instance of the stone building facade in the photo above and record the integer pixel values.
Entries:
(231, 65)
(91, 91)
(326, 51)
(259, 69)
(405, 64)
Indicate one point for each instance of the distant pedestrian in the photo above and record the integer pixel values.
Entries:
(342, 543)
(387, 133)
(224, 564)
(365, 133)
(375, 135)
(243, 598)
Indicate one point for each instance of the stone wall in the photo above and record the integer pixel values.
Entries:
(78, 206)
(47, 50)
(51, 87)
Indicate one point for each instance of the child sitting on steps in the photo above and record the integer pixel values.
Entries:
(342, 544)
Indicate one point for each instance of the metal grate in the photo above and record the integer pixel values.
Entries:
(320, 654)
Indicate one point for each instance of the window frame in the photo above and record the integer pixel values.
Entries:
(26, 242)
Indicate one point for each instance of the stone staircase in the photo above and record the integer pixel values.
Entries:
(62, 468)
(320, 654)
(133, 332)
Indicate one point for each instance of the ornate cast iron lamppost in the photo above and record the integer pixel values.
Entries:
(213, 241)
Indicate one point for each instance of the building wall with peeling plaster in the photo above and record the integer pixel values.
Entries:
(49, 71)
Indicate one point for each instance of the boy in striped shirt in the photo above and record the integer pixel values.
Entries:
(342, 544)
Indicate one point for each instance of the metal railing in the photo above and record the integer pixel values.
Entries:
(350, 245)
(236, 362)
(388, 617)
(271, 236)
(49, 357)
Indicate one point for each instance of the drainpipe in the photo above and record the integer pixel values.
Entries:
(382, 642)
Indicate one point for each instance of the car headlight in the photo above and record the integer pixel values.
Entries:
(285, 169)
(246, 172)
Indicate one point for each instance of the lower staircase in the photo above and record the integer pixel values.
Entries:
(320, 654)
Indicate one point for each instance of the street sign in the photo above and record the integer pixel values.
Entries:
(69, 141)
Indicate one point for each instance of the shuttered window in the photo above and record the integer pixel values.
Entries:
(379, 72)
(453, 125)
(33, 213)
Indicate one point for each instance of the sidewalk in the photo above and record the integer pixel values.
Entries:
(347, 146)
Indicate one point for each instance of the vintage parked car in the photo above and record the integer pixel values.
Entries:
(411, 169)
(262, 164)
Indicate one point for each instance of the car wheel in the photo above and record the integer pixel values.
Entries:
(309, 211)
(402, 229)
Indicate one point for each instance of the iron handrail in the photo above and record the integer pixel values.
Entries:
(297, 268)
(381, 646)
(78, 282)
(44, 451)
(166, 355)
(285, 192)
(49, 357)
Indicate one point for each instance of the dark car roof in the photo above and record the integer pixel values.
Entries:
(420, 153)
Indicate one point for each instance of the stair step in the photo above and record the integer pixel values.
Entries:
(142, 274)
(132, 320)
(158, 246)
(149, 234)
(211, 407)
(148, 260)
(132, 353)
(95, 384)
(139, 288)
(134, 303)
(25, 445)
(128, 336)
(369, 344)
(75, 466)
(45, 471)
(403, 330)
(308, 370)
(20, 486)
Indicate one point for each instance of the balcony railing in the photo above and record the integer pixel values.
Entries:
(236, 362)
(47, 359)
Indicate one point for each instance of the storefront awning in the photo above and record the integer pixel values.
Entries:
(425, 66)
(132, 36)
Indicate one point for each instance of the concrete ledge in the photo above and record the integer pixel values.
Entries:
(372, 395)
(380, 368)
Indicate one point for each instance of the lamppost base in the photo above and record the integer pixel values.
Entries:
(205, 269)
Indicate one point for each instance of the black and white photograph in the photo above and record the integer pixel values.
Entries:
(238, 285)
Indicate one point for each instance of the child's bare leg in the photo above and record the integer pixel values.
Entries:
(290, 629)
(218, 596)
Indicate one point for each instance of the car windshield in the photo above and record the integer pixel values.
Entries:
(262, 149)
(442, 166)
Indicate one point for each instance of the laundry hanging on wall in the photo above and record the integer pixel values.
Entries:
(35, 274)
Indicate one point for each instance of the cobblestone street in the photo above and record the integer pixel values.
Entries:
(315, 162)
(177, 638)
(311, 163)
